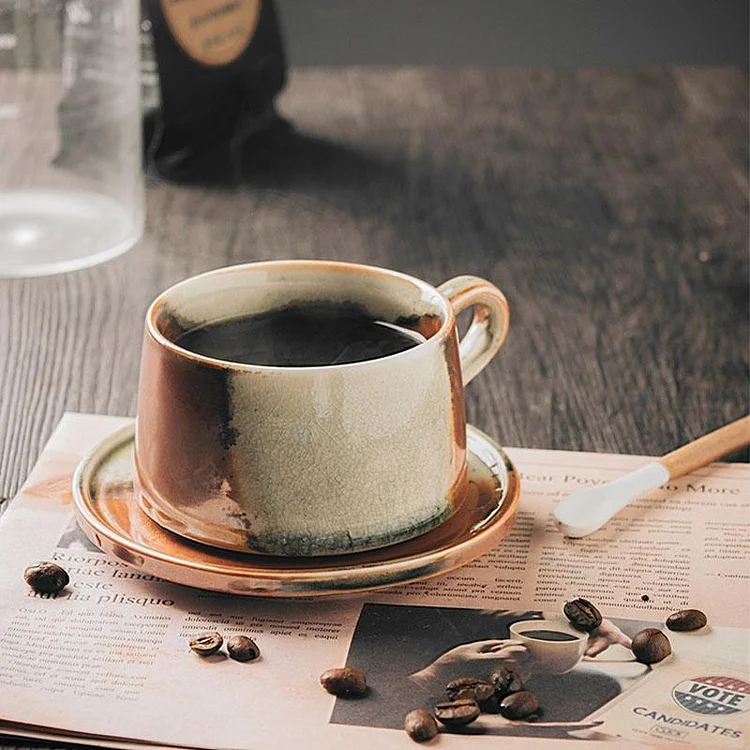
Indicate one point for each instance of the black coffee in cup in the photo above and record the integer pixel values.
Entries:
(549, 635)
(301, 335)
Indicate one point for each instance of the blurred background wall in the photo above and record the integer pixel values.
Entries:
(529, 33)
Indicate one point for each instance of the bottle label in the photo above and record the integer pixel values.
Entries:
(212, 32)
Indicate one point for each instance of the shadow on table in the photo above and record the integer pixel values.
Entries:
(277, 159)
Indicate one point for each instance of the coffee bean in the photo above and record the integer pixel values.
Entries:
(457, 713)
(519, 705)
(46, 577)
(420, 725)
(242, 648)
(651, 646)
(344, 682)
(687, 619)
(506, 681)
(583, 614)
(469, 687)
(206, 644)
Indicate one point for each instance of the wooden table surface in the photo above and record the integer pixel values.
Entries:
(611, 207)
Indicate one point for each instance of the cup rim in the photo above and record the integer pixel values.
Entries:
(446, 326)
(554, 625)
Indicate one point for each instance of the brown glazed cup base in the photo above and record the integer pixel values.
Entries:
(303, 545)
(105, 499)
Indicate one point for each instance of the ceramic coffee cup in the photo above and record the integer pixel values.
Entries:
(316, 460)
(551, 656)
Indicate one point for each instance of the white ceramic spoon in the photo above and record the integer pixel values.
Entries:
(584, 512)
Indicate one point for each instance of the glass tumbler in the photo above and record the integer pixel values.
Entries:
(71, 177)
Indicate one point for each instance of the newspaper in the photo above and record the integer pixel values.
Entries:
(106, 660)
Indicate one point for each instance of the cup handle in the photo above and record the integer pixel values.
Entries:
(489, 327)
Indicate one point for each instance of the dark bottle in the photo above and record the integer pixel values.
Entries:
(210, 71)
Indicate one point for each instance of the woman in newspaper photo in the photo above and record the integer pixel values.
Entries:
(410, 653)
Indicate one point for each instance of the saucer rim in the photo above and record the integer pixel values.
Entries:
(425, 564)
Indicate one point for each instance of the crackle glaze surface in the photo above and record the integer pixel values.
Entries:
(301, 461)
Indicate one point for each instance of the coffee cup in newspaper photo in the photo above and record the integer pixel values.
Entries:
(308, 408)
(553, 644)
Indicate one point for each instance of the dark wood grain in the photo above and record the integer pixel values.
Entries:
(611, 207)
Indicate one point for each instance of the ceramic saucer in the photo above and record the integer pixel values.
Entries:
(105, 501)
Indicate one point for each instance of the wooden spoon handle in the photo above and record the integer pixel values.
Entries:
(707, 448)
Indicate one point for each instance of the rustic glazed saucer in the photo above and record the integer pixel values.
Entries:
(105, 499)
